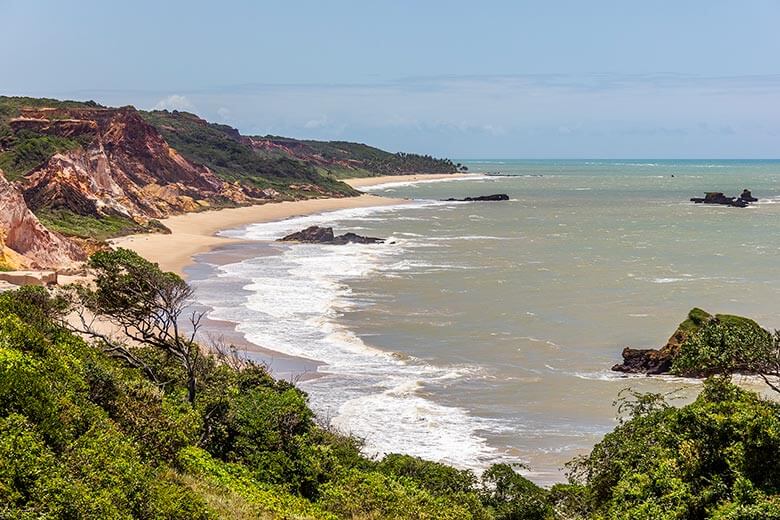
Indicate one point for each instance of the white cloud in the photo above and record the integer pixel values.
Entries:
(175, 102)
(316, 123)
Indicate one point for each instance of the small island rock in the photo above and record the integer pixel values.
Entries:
(324, 235)
(482, 198)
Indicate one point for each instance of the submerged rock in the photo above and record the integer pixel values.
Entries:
(324, 235)
(482, 198)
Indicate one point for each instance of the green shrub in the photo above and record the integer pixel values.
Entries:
(724, 345)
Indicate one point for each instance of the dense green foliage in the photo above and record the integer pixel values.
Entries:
(84, 433)
(72, 224)
(222, 149)
(346, 159)
(87, 433)
(715, 458)
(723, 344)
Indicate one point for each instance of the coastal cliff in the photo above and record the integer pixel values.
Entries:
(126, 169)
(90, 172)
(24, 241)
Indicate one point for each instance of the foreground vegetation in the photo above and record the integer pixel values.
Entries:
(159, 428)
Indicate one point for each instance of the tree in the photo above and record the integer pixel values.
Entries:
(147, 305)
(730, 345)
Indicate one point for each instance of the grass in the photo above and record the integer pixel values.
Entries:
(26, 151)
(103, 228)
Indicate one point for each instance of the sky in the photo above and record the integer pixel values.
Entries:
(488, 79)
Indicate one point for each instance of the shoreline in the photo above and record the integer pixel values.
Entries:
(365, 182)
(196, 234)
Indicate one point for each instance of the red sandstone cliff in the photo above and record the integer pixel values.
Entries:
(126, 169)
(24, 241)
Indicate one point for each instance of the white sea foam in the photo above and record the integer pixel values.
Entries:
(397, 184)
(291, 303)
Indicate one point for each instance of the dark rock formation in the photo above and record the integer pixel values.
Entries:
(659, 361)
(353, 238)
(482, 198)
(315, 234)
(747, 196)
(324, 235)
(716, 197)
(645, 361)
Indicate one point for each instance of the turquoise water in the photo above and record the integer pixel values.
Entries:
(486, 331)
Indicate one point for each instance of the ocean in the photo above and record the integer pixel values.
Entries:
(485, 332)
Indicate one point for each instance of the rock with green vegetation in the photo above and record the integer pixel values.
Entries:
(703, 344)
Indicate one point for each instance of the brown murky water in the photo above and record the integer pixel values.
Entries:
(486, 332)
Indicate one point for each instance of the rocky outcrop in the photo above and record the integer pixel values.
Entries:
(482, 198)
(324, 235)
(716, 197)
(662, 361)
(24, 241)
(746, 196)
(127, 168)
(659, 361)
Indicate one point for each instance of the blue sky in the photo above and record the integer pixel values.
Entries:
(461, 79)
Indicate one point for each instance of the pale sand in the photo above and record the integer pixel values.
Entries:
(194, 233)
(362, 182)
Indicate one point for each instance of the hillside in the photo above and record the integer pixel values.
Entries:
(97, 429)
(231, 157)
(92, 172)
(345, 159)
(235, 156)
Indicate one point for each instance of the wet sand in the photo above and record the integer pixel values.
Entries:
(194, 233)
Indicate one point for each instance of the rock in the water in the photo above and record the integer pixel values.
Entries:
(353, 238)
(645, 361)
(747, 196)
(324, 235)
(315, 234)
(482, 198)
(716, 197)
(659, 361)
(697, 359)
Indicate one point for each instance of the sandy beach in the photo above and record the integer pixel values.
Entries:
(194, 233)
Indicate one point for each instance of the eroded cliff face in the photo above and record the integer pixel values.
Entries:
(126, 169)
(25, 242)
